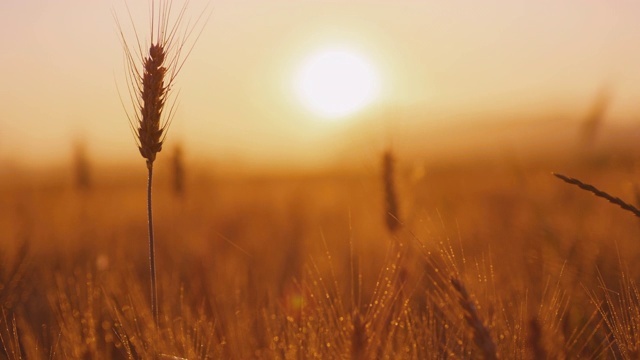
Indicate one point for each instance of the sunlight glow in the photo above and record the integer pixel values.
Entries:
(335, 83)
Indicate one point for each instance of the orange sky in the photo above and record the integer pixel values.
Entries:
(440, 62)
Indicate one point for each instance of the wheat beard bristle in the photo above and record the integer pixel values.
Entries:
(153, 99)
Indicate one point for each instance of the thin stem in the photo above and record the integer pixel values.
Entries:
(152, 252)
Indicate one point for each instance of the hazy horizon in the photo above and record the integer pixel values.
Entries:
(440, 65)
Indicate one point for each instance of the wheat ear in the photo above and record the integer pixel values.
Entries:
(481, 335)
(597, 192)
(150, 87)
(154, 94)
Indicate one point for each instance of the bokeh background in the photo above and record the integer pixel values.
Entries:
(458, 78)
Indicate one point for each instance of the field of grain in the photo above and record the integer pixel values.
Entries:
(491, 260)
(463, 237)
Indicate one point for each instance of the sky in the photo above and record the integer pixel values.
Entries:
(440, 64)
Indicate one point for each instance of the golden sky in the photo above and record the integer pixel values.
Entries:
(439, 62)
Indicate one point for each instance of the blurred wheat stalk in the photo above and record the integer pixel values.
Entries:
(151, 75)
(599, 193)
(392, 216)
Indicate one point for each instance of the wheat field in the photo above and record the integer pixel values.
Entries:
(498, 260)
(401, 258)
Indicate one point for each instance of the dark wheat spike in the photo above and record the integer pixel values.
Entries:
(597, 192)
(154, 94)
(481, 335)
(151, 71)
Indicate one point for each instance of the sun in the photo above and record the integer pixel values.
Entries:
(337, 82)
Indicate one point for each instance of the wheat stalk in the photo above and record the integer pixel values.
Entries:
(595, 117)
(178, 171)
(151, 75)
(597, 192)
(392, 216)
